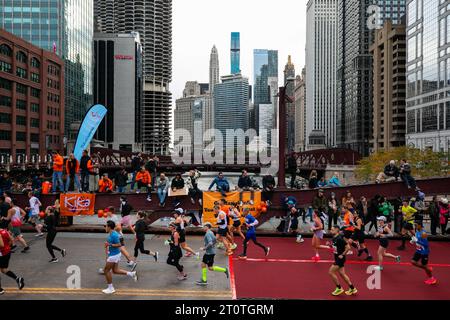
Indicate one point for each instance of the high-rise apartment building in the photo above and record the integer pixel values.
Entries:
(64, 27)
(235, 53)
(289, 80)
(300, 112)
(152, 19)
(214, 71)
(389, 87)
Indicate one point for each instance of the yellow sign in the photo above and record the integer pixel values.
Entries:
(210, 198)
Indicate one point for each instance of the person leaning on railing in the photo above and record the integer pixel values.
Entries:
(390, 173)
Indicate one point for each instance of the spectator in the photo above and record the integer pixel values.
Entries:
(121, 180)
(105, 185)
(86, 169)
(419, 205)
(125, 211)
(333, 211)
(390, 173)
(58, 163)
(347, 201)
(405, 174)
(320, 205)
(268, 183)
(385, 209)
(151, 166)
(245, 184)
(362, 208)
(290, 206)
(162, 188)
(443, 215)
(313, 180)
(136, 164)
(4, 207)
(36, 182)
(334, 181)
(322, 183)
(5, 183)
(73, 171)
(192, 184)
(177, 184)
(372, 212)
(433, 212)
(144, 180)
(292, 168)
(221, 183)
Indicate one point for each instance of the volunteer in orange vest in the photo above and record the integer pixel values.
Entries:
(144, 179)
(105, 184)
(73, 172)
(86, 169)
(58, 163)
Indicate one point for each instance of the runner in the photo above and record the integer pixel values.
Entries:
(50, 224)
(175, 253)
(112, 247)
(5, 255)
(348, 228)
(139, 229)
(340, 249)
(383, 232)
(422, 253)
(317, 230)
(34, 208)
(359, 236)
(236, 226)
(251, 224)
(227, 209)
(408, 213)
(208, 257)
(180, 222)
(15, 215)
(222, 232)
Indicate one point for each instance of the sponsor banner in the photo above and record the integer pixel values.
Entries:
(210, 197)
(75, 204)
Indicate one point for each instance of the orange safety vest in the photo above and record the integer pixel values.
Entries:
(46, 186)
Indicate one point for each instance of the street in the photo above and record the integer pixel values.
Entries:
(157, 280)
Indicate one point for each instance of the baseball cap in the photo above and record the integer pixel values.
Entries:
(179, 210)
(207, 224)
(381, 218)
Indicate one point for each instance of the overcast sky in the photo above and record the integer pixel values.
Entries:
(263, 24)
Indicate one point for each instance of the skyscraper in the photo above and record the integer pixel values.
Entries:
(321, 49)
(428, 75)
(289, 77)
(235, 53)
(153, 20)
(214, 75)
(300, 112)
(64, 27)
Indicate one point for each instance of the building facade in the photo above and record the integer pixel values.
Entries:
(428, 75)
(65, 27)
(289, 80)
(235, 53)
(118, 85)
(321, 41)
(31, 99)
(300, 112)
(152, 19)
(389, 87)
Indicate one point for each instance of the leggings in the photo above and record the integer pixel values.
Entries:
(247, 240)
(49, 242)
(174, 259)
(139, 246)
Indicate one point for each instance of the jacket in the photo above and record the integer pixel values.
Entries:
(104, 185)
(144, 177)
(86, 164)
(334, 181)
(163, 184)
(58, 163)
(391, 171)
(320, 203)
(192, 182)
(151, 165)
(178, 184)
(72, 166)
(268, 182)
(136, 163)
(385, 209)
(221, 183)
(245, 182)
(121, 179)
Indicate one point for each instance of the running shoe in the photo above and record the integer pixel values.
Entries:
(267, 251)
(54, 260)
(369, 258)
(63, 252)
(351, 292)
(201, 283)
(101, 271)
(109, 291)
(413, 240)
(349, 253)
(39, 235)
(234, 246)
(156, 256)
(299, 239)
(197, 256)
(315, 258)
(227, 273)
(338, 292)
(379, 268)
(25, 249)
(397, 259)
(20, 283)
(188, 254)
(2, 291)
(220, 245)
(133, 268)
(134, 276)
(431, 281)
(242, 257)
(183, 277)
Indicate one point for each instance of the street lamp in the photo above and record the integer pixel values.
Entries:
(282, 132)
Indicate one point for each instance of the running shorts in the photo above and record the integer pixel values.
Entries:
(338, 261)
(126, 221)
(16, 232)
(208, 259)
(35, 220)
(236, 223)
(358, 236)
(115, 258)
(250, 236)
(408, 226)
(4, 261)
(384, 242)
(348, 234)
(424, 257)
(223, 232)
(182, 234)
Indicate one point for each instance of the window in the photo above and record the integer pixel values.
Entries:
(5, 101)
(20, 72)
(5, 118)
(34, 137)
(35, 63)
(5, 50)
(21, 120)
(429, 118)
(35, 107)
(5, 67)
(5, 84)
(34, 123)
(20, 88)
(21, 104)
(5, 135)
(34, 77)
(21, 136)
(35, 92)
(21, 57)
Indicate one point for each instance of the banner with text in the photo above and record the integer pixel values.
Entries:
(75, 204)
(210, 198)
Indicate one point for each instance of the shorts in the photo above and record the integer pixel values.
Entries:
(35, 219)
(114, 259)
(208, 259)
(4, 261)
(236, 223)
(182, 234)
(126, 221)
(250, 236)
(408, 226)
(338, 261)
(348, 234)
(16, 232)
(384, 243)
(418, 256)
(222, 232)
(359, 237)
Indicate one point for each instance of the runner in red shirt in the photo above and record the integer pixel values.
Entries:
(5, 255)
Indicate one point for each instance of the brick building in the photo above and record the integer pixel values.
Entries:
(31, 99)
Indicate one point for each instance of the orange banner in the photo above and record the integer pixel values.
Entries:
(75, 204)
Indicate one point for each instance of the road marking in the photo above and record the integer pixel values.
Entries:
(232, 278)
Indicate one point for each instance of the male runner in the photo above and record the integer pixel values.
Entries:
(34, 217)
(408, 222)
(251, 223)
(422, 253)
(340, 248)
(5, 255)
(208, 257)
(112, 247)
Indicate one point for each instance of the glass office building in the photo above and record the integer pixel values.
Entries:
(235, 53)
(63, 26)
(428, 75)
